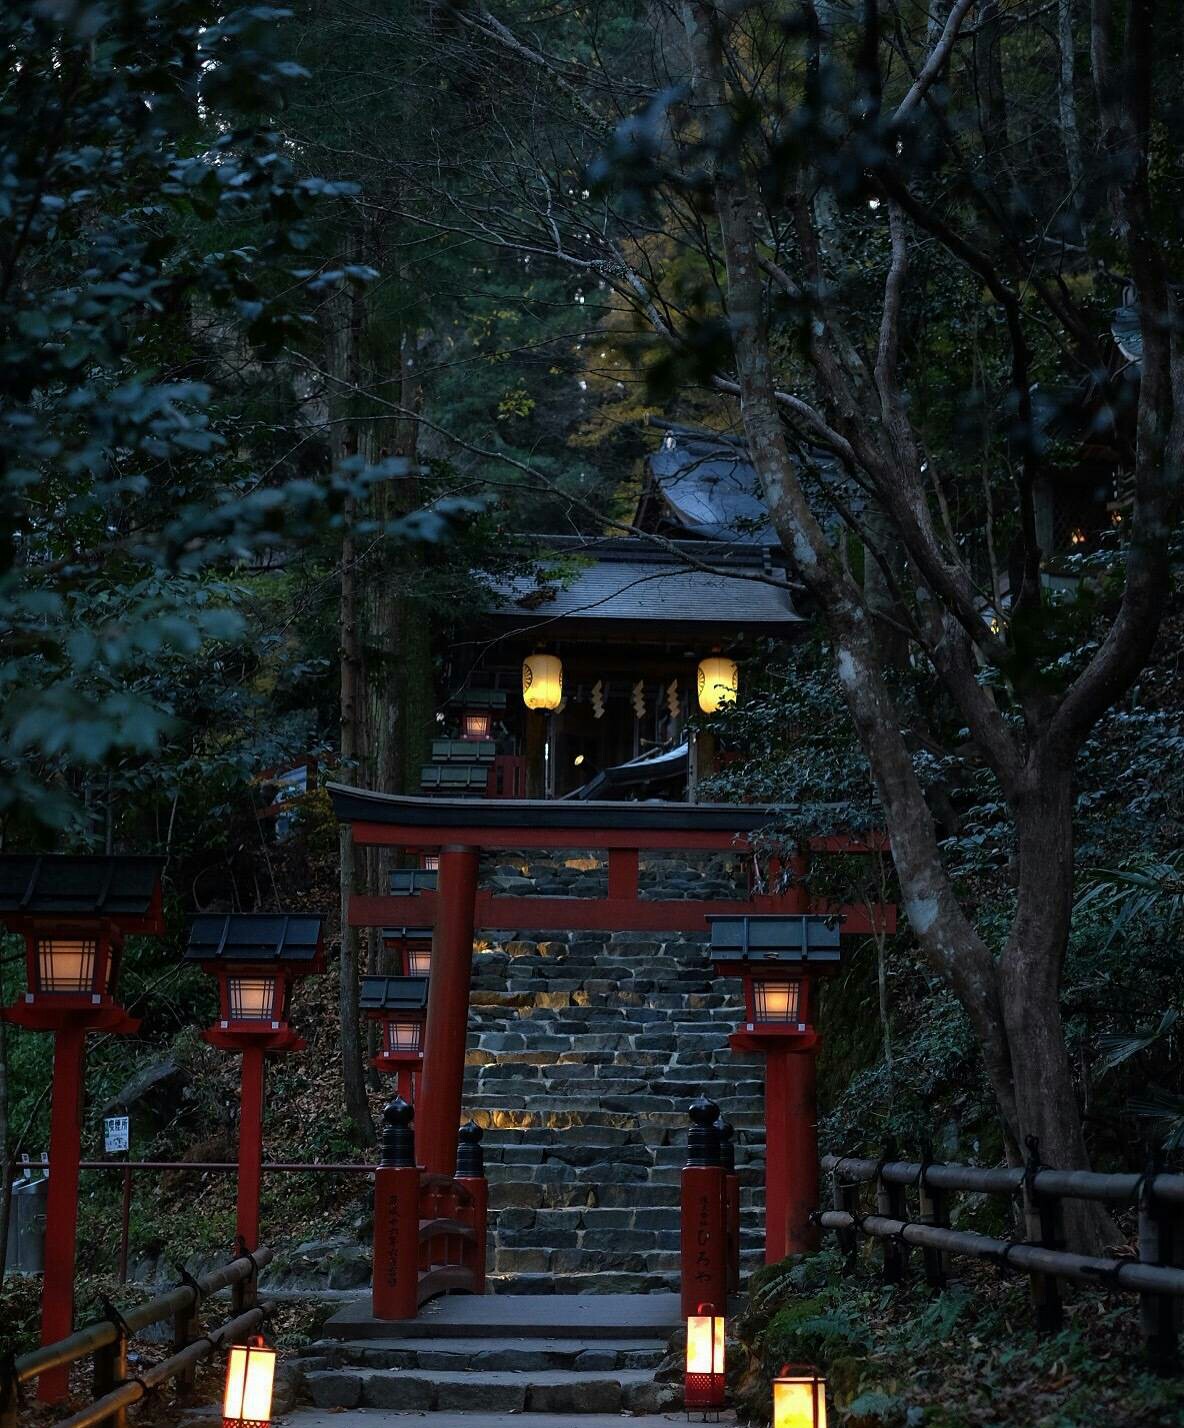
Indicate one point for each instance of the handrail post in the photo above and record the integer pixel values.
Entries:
(932, 1210)
(470, 1173)
(844, 1197)
(890, 1202)
(396, 1217)
(1160, 1242)
(110, 1365)
(186, 1328)
(1042, 1220)
(245, 1293)
(704, 1224)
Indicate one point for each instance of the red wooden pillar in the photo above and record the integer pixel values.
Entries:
(791, 1153)
(704, 1238)
(250, 1145)
(446, 1031)
(61, 1210)
(397, 1210)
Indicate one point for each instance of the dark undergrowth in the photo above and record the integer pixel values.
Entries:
(903, 1356)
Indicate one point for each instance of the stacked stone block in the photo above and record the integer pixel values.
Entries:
(584, 1052)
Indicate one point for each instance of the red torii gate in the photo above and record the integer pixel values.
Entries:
(460, 828)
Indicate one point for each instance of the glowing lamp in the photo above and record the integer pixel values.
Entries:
(719, 680)
(404, 1036)
(430, 862)
(399, 1005)
(81, 965)
(542, 682)
(476, 724)
(410, 949)
(779, 959)
(777, 1000)
(799, 1397)
(250, 1376)
(251, 997)
(706, 1382)
(256, 957)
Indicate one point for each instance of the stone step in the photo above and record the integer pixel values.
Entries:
(509, 1355)
(490, 1391)
(566, 1194)
(570, 1286)
(564, 1263)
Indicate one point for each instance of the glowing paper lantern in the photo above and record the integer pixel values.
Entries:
(542, 681)
(705, 1378)
(719, 680)
(250, 1374)
(799, 1398)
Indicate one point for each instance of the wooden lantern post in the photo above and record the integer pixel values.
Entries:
(256, 957)
(74, 913)
(780, 959)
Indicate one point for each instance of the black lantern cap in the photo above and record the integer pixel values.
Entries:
(797, 937)
(393, 994)
(406, 934)
(255, 937)
(33, 884)
(407, 881)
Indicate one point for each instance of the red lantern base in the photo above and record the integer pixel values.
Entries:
(704, 1390)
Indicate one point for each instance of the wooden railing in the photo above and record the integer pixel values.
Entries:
(1156, 1275)
(107, 1341)
(429, 1230)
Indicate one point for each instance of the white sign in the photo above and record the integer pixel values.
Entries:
(115, 1134)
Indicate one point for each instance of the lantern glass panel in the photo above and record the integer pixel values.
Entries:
(799, 1399)
(475, 725)
(250, 1375)
(705, 1344)
(777, 1001)
(252, 998)
(66, 964)
(419, 961)
(404, 1035)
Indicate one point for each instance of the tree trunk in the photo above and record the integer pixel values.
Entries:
(1067, 101)
(1030, 972)
(345, 347)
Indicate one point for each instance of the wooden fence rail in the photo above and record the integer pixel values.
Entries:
(1157, 1275)
(107, 1340)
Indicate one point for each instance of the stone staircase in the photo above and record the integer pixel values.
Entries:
(481, 1359)
(584, 1052)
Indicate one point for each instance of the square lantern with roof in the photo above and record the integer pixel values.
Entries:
(256, 957)
(74, 913)
(399, 1005)
(780, 959)
(412, 946)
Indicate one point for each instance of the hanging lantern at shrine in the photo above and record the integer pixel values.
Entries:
(719, 680)
(542, 682)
